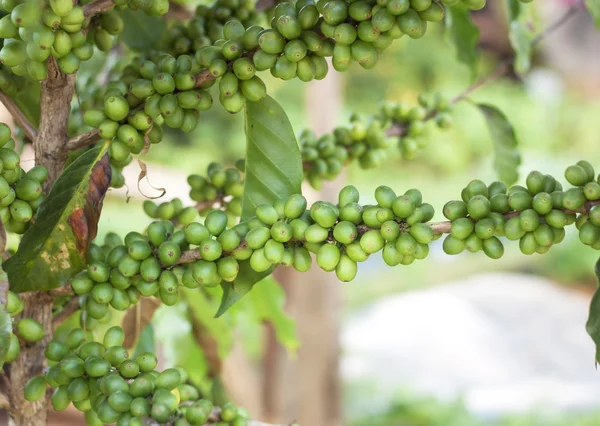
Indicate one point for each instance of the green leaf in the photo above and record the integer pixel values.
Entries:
(514, 9)
(461, 32)
(593, 323)
(142, 32)
(593, 6)
(234, 291)
(273, 160)
(507, 158)
(5, 331)
(273, 172)
(146, 341)
(54, 249)
(520, 39)
(268, 300)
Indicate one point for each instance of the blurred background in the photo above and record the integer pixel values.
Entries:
(460, 340)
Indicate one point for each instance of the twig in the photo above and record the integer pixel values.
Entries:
(501, 69)
(71, 307)
(96, 7)
(18, 116)
(83, 140)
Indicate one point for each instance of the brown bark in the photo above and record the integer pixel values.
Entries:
(31, 362)
(55, 107)
(49, 144)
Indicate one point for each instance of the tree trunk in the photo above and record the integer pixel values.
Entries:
(31, 361)
(55, 106)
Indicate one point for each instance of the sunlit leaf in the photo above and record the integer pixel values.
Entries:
(54, 249)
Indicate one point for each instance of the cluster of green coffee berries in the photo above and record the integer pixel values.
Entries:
(34, 30)
(535, 214)
(584, 195)
(100, 380)
(119, 274)
(412, 121)
(20, 193)
(171, 210)
(368, 139)
(206, 26)
(132, 114)
(222, 188)
(173, 90)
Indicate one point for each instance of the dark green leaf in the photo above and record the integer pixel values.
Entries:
(514, 9)
(520, 39)
(507, 158)
(593, 323)
(273, 160)
(5, 331)
(461, 31)
(246, 279)
(593, 7)
(54, 249)
(142, 32)
(146, 342)
(273, 172)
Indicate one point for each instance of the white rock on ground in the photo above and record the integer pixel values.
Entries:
(506, 343)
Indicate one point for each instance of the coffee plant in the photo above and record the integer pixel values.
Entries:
(60, 287)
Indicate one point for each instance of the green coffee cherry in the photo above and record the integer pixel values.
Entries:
(30, 330)
(35, 388)
(169, 379)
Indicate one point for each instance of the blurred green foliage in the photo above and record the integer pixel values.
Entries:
(419, 411)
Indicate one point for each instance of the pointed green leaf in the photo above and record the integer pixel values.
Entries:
(507, 158)
(514, 9)
(246, 279)
(273, 160)
(593, 323)
(273, 172)
(464, 34)
(593, 7)
(5, 332)
(54, 249)
(142, 32)
(520, 39)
